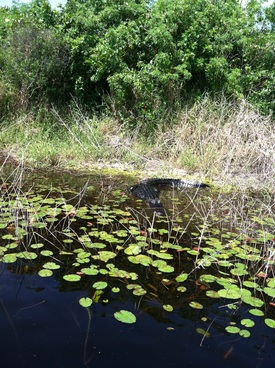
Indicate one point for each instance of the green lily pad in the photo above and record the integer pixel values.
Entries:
(230, 293)
(168, 308)
(212, 294)
(115, 289)
(45, 273)
(232, 329)
(196, 305)
(46, 253)
(125, 316)
(244, 333)
(181, 289)
(85, 302)
(247, 322)
(99, 285)
(51, 266)
(182, 277)
(253, 301)
(27, 255)
(71, 277)
(37, 245)
(104, 255)
(270, 322)
(269, 291)
(9, 258)
(256, 312)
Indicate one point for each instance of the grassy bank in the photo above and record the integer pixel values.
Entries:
(222, 142)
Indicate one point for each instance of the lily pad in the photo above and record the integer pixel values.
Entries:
(196, 305)
(99, 285)
(9, 258)
(247, 322)
(125, 316)
(270, 322)
(85, 302)
(71, 277)
(182, 277)
(168, 308)
(45, 273)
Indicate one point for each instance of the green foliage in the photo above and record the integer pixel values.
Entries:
(140, 58)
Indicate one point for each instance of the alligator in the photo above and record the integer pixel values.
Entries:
(148, 192)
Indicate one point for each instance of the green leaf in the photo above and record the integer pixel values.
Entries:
(230, 293)
(9, 258)
(37, 245)
(247, 322)
(51, 266)
(270, 291)
(196, 305)
(99, 285)
(253, 301)
(182, 277)
(85, 302)
(125, 316)
(232, 329)
(71, 277)
(256, 312)
(270, 322)
(168, 307)
(244, 333)
(45, 273)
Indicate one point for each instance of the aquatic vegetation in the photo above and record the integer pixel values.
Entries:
(205, 250)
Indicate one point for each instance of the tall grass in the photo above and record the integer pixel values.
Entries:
(228, 142)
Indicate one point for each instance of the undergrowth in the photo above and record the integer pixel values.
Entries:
(228, 143)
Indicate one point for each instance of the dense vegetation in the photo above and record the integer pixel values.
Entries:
(139, 59)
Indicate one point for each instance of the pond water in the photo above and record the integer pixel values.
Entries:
(76, 252)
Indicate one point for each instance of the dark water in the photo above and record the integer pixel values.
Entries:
(43, 324)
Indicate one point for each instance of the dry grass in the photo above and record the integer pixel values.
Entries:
(227, 143)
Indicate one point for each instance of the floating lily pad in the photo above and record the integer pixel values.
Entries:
(71, 277)
(182, 277)
(196, 305)
(212, 294)
(256, 312)
(45, 273)
(115, 289)
(51, 266)
(253, 301)
(230, 293)
(232, 329)
(247, 322)
(244, 333)
(104, 255)
(85, 302)
(168, 308)
(125, 316)
(46, 253)
(27, 255)
(37, 245)
(270, 322)
(181, 289)
(9, 258)
(99, 285)
(270, 291)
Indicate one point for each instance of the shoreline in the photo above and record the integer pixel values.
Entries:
(154, 168)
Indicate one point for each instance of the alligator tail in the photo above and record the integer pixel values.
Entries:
(178, 183)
